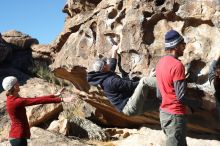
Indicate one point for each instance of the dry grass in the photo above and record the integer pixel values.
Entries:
(43, 71)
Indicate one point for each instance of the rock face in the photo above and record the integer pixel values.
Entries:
(138, 27)
(146, 137)
(19, 39)
(16, 50)
(46, 138)
(40, 136)
(85, 129)
(4, 120)
(74, 7)
(5, 49)
(42, 53)
(59, 126)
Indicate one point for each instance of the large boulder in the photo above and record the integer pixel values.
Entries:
(19, 39)
(78, 127)
(5, 49)
(146, 136)
(83, 128)
(47, 138)
(138, 27)
(42, 53)
(17, 51)
(59, 126)
(73, 7)
(21, 60)
(200, 10)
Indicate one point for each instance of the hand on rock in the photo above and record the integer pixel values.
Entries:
(115, 49)
(60, 92)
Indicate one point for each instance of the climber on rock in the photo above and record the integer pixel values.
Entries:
(127, 96)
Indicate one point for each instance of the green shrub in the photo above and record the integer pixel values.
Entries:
(42, 71)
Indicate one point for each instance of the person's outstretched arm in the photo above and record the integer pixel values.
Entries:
(113, 59)
(43, 100)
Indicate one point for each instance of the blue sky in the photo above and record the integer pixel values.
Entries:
(41, 19)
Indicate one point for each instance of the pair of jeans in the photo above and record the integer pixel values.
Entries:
(18, 142)
(135, 104)
(174, 127)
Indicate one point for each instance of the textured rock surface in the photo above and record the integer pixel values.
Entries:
(19, 39)
(146, 137)
(5, 49)
(42, 53)
(5, 124)
(46, 138)
(59, 126)
(138, 27)
(86, 129)
(15, 50)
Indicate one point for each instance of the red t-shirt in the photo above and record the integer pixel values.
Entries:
(169, 70)
(16, 109)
